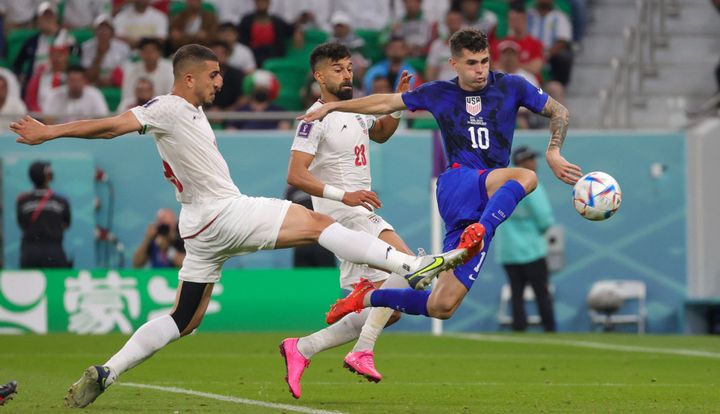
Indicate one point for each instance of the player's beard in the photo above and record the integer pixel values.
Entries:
(343, 94)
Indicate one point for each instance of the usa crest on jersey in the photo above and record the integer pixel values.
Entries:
(473, 105)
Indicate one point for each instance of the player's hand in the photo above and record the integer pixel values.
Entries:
(365, 198)
(31, 131)
(151, 231)
(566, 172)
(404, 84)
(317, 114)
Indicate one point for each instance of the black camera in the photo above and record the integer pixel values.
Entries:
(163, 230)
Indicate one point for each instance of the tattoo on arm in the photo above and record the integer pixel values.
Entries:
(559, 120)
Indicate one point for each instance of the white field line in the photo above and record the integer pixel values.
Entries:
(227, 398)
(588, 344)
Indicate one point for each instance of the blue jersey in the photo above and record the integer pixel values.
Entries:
(477, 127)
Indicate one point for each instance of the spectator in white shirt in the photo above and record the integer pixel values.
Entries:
(437, 64)
(152, 66)
(76, 99)
(18, 13)
(232, 10)
(306, 13)
(414, 27)
(552, 27)
(367, 14)
(50, 75)
(13, 85)
(144, 91)
(82, 13)
(35, 51)
(104, 55)
(10, 106)
(241, 57)
(139, 20)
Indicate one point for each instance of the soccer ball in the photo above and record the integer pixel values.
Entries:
(597, 196)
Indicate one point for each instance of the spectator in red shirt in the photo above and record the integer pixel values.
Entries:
(531, 49)
(263, 33)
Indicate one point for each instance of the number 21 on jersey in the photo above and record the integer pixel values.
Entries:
(480, 137)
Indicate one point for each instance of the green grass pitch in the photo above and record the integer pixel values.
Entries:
(243, 373)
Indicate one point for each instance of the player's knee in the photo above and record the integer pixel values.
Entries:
(393, 318)
(528, 179)
(442, 309)
(318, 223)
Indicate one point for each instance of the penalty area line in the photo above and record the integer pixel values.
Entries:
(228, 398)
(588, 344)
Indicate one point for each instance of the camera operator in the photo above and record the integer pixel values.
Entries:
(162, 245)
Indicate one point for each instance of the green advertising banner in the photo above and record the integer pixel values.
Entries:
(102, 301)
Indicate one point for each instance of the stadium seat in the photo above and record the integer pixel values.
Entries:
(82, 34)
(178, 6)
(292, 75)
(373, 49)
(500, 8)
(504, 313)
(314, 37)
(112, 97)
(633, 311)
(15, 41)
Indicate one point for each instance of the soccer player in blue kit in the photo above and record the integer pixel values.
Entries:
(476, 114)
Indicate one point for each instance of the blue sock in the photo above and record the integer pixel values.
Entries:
(410, 301)
(500, 206)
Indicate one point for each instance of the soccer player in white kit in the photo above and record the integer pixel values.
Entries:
(216, 220)
(331, 161)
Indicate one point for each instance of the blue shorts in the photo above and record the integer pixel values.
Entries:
(462, 197)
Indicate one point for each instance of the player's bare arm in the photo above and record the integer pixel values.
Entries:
(33, 132)
(559, 120)
(300, 176)
(387, 125)
(381, 103)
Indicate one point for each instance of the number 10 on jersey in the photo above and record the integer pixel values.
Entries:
(481, 138)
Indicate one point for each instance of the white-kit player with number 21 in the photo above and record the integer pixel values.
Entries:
(330, 160)
(216, 220)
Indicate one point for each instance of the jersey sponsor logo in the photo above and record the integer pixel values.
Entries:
(473, 105)
(304, 129)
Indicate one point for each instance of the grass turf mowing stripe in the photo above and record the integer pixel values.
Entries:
(587, 344)
(227, 398)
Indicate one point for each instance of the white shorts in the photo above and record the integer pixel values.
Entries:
(360, 219)
(246, 225)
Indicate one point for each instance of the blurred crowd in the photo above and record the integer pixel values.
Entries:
(82, 58)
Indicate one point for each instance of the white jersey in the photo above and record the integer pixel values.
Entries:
(191, 160)
(341, 146)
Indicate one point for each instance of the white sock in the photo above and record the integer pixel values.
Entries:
(359, 247)
(147, 340)
(343, 331)
(378, 317)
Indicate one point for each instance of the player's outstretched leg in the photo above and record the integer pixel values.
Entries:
(7, 391)
(433, 265)
(148, 339)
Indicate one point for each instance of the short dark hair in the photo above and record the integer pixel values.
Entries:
(331, 50)
(220, 43)
(192, 53)
(471, 39)
(76, 68)
(518, 6)
(149, 41)
(227, 26)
